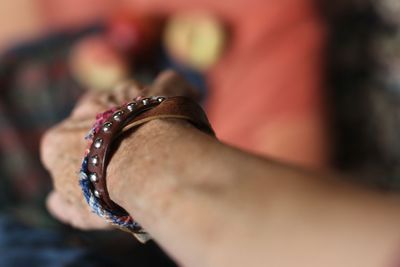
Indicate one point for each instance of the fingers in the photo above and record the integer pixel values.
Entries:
(73, 215)
(63, 144)
(93, 103)
(125, 91)
(62, 150)
(169, 83)
(88, 106)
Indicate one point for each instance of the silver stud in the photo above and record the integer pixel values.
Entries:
(94, 160)
(117, 115)
(145, 101)
(107, 127)
(98, 143)
(96, 193)
(160, 99)
(93, 177)
(131, 106)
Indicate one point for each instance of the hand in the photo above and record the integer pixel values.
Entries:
(63, 146)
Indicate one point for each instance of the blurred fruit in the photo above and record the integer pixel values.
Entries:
(195, 39)
(97, 64)
(133, 34)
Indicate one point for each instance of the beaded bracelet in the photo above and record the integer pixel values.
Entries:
(108, 127)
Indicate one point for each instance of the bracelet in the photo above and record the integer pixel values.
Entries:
(109, 126)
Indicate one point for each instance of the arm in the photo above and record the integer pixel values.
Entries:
(208, 204)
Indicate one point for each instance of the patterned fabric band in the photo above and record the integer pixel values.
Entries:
(108, 127)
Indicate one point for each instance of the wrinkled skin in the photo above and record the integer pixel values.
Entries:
(63, 146)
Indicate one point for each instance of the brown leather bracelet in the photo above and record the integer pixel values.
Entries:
(111, 125)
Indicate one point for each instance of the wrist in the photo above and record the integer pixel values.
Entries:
(135, 161)
(111, 128)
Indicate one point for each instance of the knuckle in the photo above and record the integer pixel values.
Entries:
(47, 148)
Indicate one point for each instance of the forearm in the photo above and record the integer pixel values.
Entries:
(179, 182)
(208, 204)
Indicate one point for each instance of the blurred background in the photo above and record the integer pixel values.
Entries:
(308, 82)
